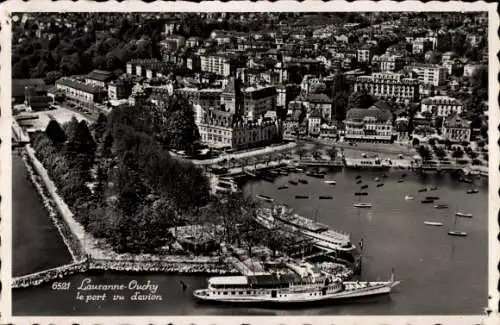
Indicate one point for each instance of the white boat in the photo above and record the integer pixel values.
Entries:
(463, 215)
(289, 288)
(457, 233)
(432, 223)
(408, 197)
(362, 205)
(454, 232)
(331, 182)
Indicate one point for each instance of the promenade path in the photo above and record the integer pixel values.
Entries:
(245, 154)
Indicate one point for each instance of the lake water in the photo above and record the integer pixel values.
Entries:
(440, 274)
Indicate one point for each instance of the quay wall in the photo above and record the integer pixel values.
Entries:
(35, 279)
(59, 212)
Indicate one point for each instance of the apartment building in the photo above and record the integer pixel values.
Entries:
(442, 106)
(388, 85)
(217, 64)
(82, 93)
(430, 74)
(257, 100)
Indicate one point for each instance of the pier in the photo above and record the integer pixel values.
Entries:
(320, 163)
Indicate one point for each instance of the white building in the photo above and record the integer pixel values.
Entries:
(389, 85)
(217, 64)
(430, 74)
(456, 129)
(443, 106)
(373, 125)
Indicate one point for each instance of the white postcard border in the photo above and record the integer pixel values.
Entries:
(247, 6)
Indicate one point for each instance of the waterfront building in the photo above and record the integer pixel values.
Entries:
(291, 124)
(373, 124)
(328, 131)
(389, 86)
(430, 74)
(321, 103)
(99, 78)
(456, 129)
(222, 129)
(314, 124)
(443, 106)
(81, 93)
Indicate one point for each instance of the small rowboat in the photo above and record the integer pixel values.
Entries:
(331, 182)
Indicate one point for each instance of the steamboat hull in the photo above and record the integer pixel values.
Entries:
(299, 300)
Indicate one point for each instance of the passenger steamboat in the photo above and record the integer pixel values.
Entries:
(299, 287)
(320, 233)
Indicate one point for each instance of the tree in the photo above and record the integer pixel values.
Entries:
(332, 153)
(55, 132)
(415, 142)
(425, 153)
(457, 153)
(100, 127)
(360, 99)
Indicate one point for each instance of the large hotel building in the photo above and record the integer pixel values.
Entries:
(386, 85)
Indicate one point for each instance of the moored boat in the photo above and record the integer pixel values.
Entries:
(293, 182)
(408, 197)
(463, 215)
(432, 197)
(472, 191)
(423, 189)
(400, 180)
(325, 197)
(441, 206)
(331, 182)
(364, 186)
(434, 188)
(359, 182)
(303, 181)
(376, 179)
(358, 177)
(362, 205)
(457, 233)
(283, 187)
(433, 223)
(301, 196)
(316, 174)
(380, 184)
(361, 193)
(427, 201)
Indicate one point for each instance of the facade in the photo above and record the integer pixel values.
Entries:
(456, 129)
(322, 104)
(430, 74)
(421, 45)
(258, 100)
(328, 131)
(443, 106)
(118, 90)
(81, 93)
(373, 125)
(99, 78)
(364, 55)
(389, 85)
(217, 64)
(314, 124)
(222, 129)
(391, 63)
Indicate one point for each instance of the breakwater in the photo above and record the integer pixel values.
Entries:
(51, 202)
(179, 266)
